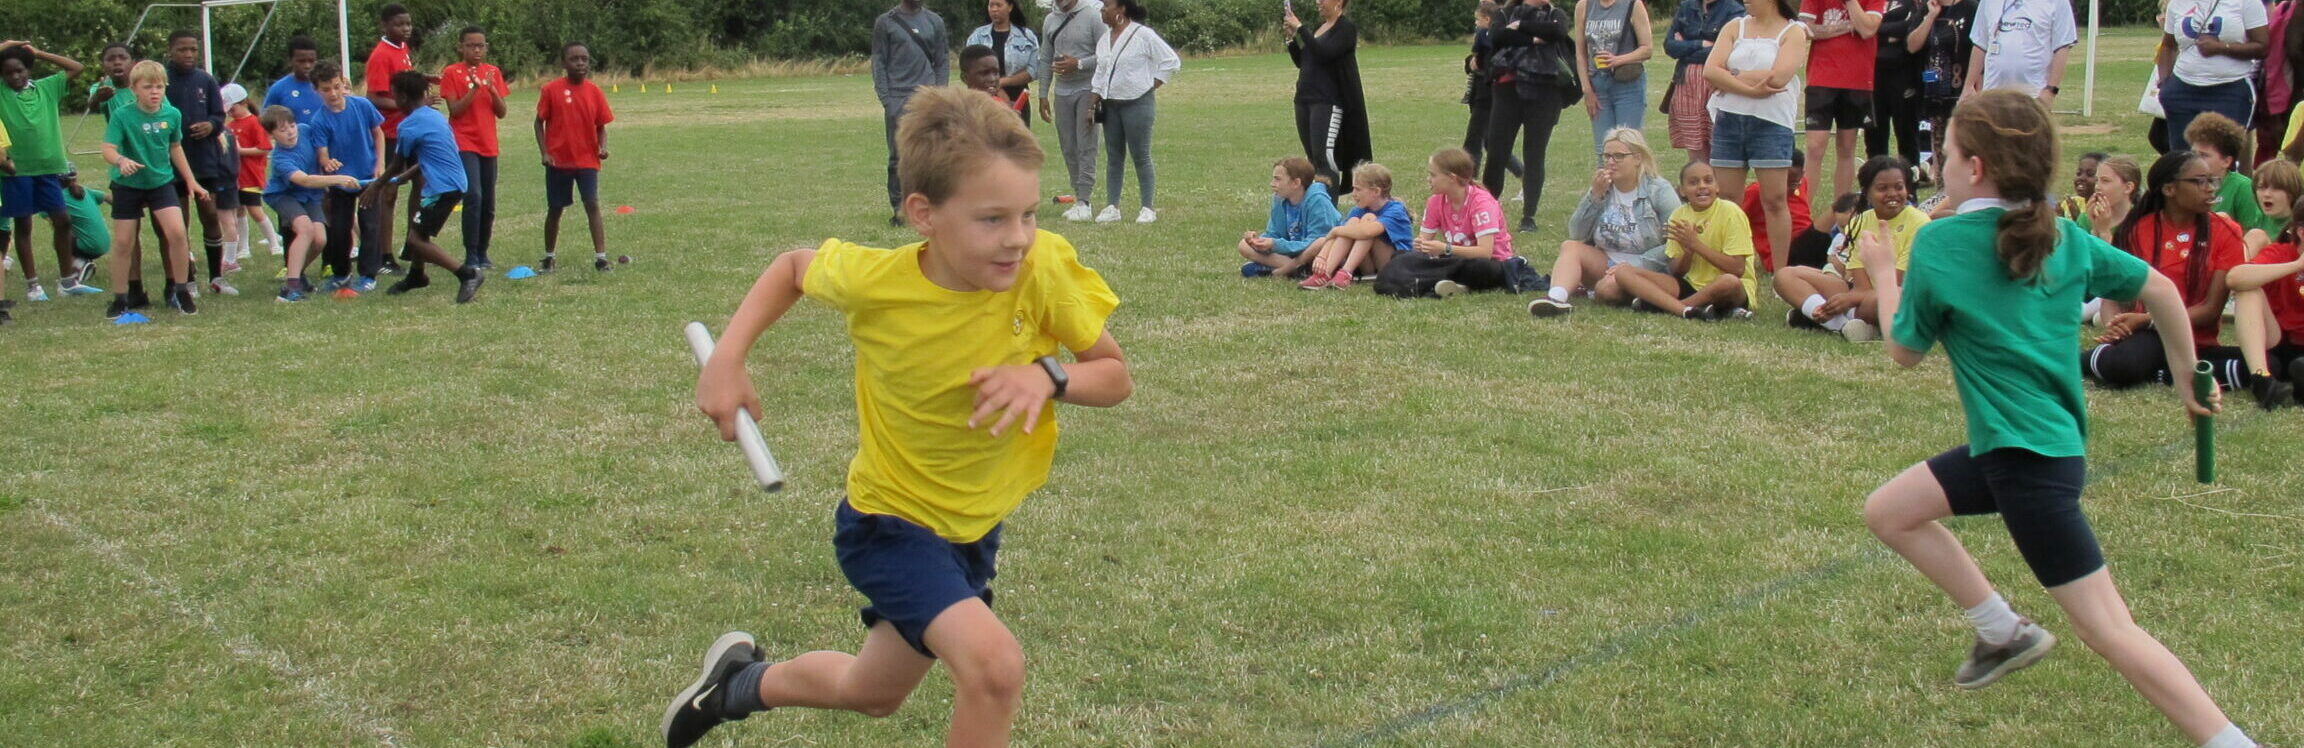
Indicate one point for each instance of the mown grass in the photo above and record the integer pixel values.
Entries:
(1323, 519)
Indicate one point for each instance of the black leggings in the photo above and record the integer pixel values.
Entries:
(1896, 110)
(479, 204)
(345, 214)
(1476, 131)
(2037, 497)
(1532, 118)
(2138, 359)
(1318, 125)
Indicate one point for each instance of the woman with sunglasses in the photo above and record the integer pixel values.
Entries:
(2176, 229)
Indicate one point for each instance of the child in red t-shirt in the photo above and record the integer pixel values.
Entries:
(254, 147)
(2268, 293)
(390, 57)
(572, 119)
(475, 91)
(2174, 229)
(1840, 72)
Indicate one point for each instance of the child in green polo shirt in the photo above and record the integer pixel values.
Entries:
(144, 143)
(2000, 285)
(34, 185)
(2220, 140)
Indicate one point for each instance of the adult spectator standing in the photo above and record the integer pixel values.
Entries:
(1840, 82)
(1696, 25)
(1331, 113)
(2209, 50)
(1066, 71)
(295, 90)
(1755, 76)
(2023, 44)
(1613, 39)
(1942, 46)
(1136, 63)
(1526, 106)
(200, 99)
(910, 49)
(391, 56)
(1896, 102)
(1014, 44)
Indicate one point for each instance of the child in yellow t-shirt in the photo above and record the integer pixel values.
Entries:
(1846, 302)
(1709, 245)
(956, 370)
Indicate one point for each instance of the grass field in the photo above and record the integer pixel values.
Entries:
(1324, 519)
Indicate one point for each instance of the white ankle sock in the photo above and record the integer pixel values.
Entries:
(1840, 320)
(1808, 305)
(2231, 737)
(1558, 293)
(2088, 310)
(1995, 622)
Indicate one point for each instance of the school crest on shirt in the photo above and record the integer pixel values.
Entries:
(1018, 324)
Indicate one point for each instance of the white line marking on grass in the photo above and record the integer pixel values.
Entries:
(314, 685)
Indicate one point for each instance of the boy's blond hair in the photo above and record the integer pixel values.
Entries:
(948, 132)
(1374, 175)
(147, 70)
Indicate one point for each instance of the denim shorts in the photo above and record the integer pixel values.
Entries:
(1744, 141)
(908, 573)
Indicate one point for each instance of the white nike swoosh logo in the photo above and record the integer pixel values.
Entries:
(698, 702)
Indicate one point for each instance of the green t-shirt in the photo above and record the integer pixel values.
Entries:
(2237, 198)
(91, 232)
(34, 122)
(145, 139)
(2011, 343)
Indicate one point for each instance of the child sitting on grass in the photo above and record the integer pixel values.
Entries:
(1302, 213)
(1378, 229)
(2219, 140)
(1843, 300)
(957, 377)
(1713, 273)
(1464, 244)
(2268, 303)
(2278, 184)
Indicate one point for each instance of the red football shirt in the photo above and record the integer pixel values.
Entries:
(1843, 61)
(248, 132)
(385, 61)
(572, 114)
(2286, 295)
(476, 128)
(2169, 250)
(1759, 220)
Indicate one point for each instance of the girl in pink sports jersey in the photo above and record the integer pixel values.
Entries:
(1463, 246)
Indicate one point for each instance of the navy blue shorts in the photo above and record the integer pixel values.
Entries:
(908, 573)
(22, 197)
(562, 186)
(1742, 140)
(2039, 499)
(131, 203)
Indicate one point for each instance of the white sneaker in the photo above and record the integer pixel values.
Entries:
(33, 292)
(222, 287)
(1860, 331)
(1111, 214)
(1079, 212)
(1448, 288)
(239, 250)
(1146, 216)
(278, 247)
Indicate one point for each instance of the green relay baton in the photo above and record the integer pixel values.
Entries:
(2204, 427)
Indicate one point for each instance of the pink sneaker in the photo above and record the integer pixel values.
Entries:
(1314, 282)
(1340, 281)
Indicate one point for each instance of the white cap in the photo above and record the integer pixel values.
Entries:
(234, 94)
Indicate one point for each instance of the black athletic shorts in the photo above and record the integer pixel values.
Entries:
(1844, 108)
(130, 203)
(225, 189)
(2039, 499)
(432, 214)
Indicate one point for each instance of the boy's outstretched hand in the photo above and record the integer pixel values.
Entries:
(1011, 391)
(720, 391)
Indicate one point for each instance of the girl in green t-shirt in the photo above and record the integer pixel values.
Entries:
(2000, 285)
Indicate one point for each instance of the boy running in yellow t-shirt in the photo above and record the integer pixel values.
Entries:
(955, 343)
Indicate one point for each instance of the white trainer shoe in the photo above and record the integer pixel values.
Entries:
(1111, 214)
(1146, 216)
(1079, 212)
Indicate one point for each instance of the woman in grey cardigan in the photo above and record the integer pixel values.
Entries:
(1620, 221)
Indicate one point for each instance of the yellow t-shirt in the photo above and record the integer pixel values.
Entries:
(1724, 228)
(1901, 229)
(916, 343)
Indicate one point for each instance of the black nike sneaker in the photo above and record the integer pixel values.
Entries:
(699, 707)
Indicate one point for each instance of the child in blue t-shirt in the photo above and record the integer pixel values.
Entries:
(1999, 285)
(1378, 228)
(428, 146)
(297, 193)
(1302, 213)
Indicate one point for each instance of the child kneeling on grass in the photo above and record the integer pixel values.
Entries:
(952, 335)
(1378, 229)
(1844, 301)
(1713, 274)
(1464, 246)
(1302, 213)
(1999, 284)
